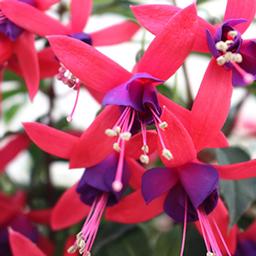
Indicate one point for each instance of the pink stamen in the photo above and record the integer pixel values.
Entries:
(70, 116)
(2, 17)
(208, 235)
(155, 115)
(184, 227)
(86, 237)
(247, 77)
(221, 237)
(144, 133)
(159, 134)
(123, 117)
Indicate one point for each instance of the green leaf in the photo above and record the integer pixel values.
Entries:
(123, 241)
(168, 244)
(10, 113)
(238, 195)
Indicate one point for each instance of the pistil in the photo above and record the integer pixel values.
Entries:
(85, 238)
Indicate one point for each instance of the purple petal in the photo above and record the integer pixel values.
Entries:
(86, 38)
(211, 44)
(248, 51)
(157, 181)
(199, 181)
(246, 247)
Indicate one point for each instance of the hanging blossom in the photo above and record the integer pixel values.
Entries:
(38, 22)
(131, 99)
(17, 42)
(93, 193)
(224, 41)
(182, 198)
(14, 217)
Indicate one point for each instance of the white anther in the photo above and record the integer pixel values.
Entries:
(144, 159)
(163, 125)
(117, 129)
(167, 154)
(238, 57)
(72, 249)
(125, 136)
(81, 243)
(68, 74)
(210, 254)
(145, 149)
(228, 56)
(232, 33)
(110, 133)
(221, 60)
(221, 46)
(116, 147)
(117, 186)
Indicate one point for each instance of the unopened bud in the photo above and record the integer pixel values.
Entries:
(144, 159)
(167, 154)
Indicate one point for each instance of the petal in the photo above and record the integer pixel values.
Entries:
(21, 244)
(28, 62)
(94, 145)
(115, 34)
(177, 140)
(46, 245)
(80, 12)
(238, 171)
(156, 182)
(48, 64)
(136, 171)
(17, 144)
(31, 19)
(205, 181)
(219, 141)
(45, 4)
(210, 112)
(241, 9)
(133, 146)
(51, 140)
(155, 17)
(249, 233)
(133, 209)
(69, 210)
(177, 34)
(6, 49)
(90, 66)
(40, 216)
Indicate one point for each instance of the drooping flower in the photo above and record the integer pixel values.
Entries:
(186, 188)
(35, 20)
(93, 193)
(17, 42)
(13, 216)
(131, 98)
(223, 41)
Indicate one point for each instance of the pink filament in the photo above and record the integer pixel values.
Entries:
(144, 133)
(91, 226)
(184, 227)
(247, 77)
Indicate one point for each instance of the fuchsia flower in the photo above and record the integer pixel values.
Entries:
(183, 198)
(17, 42)
(34, 20)
(223, 41)
(132, 98)
(93, 193)
(14, 217)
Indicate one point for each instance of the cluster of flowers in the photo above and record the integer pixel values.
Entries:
(136, 121)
